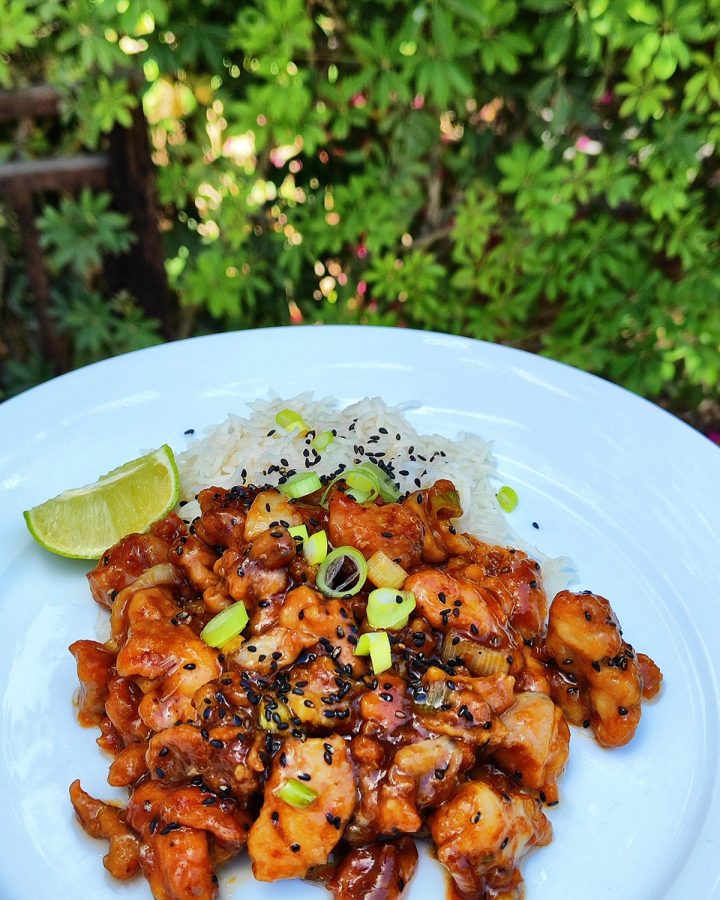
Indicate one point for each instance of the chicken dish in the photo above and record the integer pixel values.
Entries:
(343, 721)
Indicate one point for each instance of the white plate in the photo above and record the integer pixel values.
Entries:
(630, 493)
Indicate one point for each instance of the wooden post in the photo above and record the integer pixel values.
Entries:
(142, 269)
(52, 346)
(127, 170)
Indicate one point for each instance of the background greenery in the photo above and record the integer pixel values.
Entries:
(542, 173)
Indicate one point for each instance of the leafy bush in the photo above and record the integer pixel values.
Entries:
(534, 172)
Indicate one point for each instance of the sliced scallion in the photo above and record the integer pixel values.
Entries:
(290, 420)
(342, 572)
(301, 485)
(377, 645)
(389, 608)
(446, 505)
(296, 794)
(436, 695)
(387, 488)
(315, 548)
(507, 498)
(362, 486)
(322, 441)
(476, 658)
(384, 571)
(367, 480)
(225, 625)
(299, 533)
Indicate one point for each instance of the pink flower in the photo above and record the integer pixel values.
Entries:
(358, 100)
(587, 145)
(418, 101)
(361, 251)
(362, 287)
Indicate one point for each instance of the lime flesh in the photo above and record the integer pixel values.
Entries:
(84, 522)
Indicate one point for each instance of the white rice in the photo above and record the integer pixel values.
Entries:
(254, 449)
(243, 450)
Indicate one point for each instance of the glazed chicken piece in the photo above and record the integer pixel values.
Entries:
(320, 698)
(466, 708)
(269, 509)
(122, 564)
(224, 757)
(377, 872)
(176, 660)
(226, 699)
(368, 757)
(285, 842)
(585, 641)
(535, 672)
(329, 619)
(513, 577)
(179, 828)
(222, 519)
(387, 709)
(437, 506)
(482, 832)
(391, 527)
(129, 766)
(242, 578)
(95, 665)
(121, 707)
(135, 604)
(450, 603)
(422, 776)
(196, 560)
(535, 747)
(267, 653)
(650, 675)
(100, 820)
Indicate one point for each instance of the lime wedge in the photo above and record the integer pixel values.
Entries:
(84, 522)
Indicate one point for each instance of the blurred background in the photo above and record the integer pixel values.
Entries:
(538, 173)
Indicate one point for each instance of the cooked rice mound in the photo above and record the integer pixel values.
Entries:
(254, 449)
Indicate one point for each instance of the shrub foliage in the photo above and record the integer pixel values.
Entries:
(537, 172)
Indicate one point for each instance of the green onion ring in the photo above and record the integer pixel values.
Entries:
(507, 498)
(330, 568)
(301, 485)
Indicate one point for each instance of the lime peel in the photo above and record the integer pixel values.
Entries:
(81, 523)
